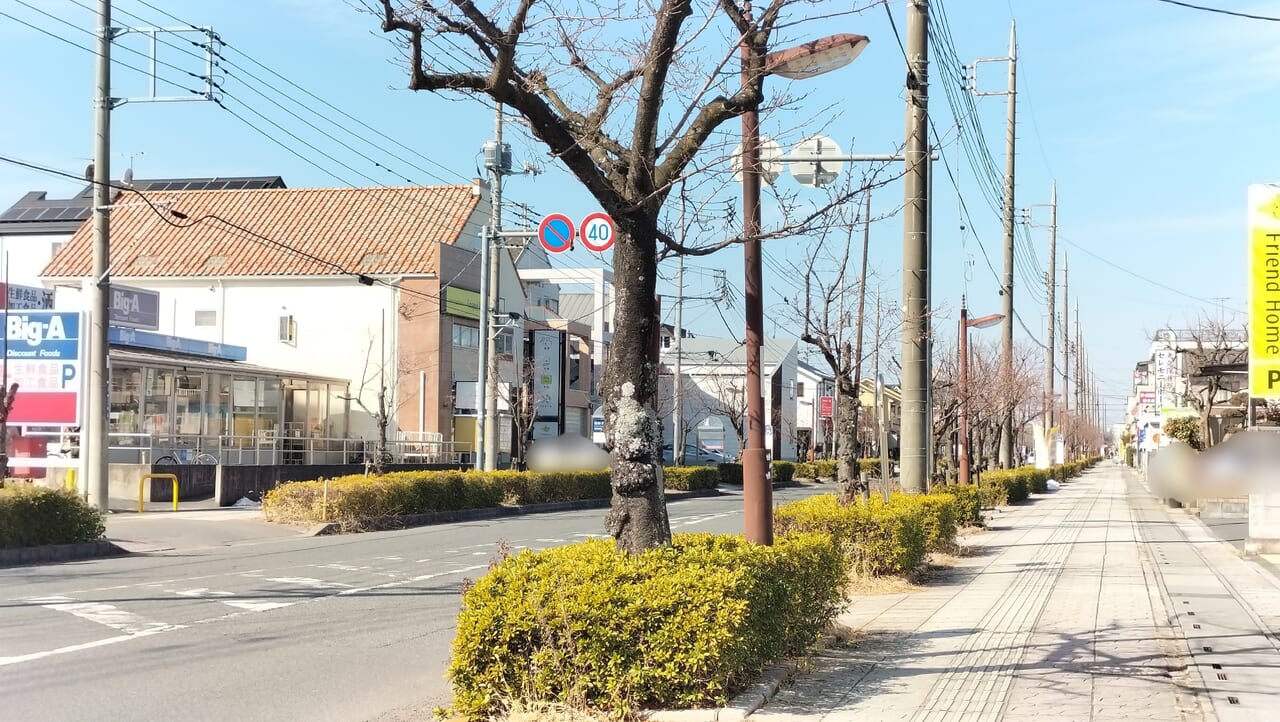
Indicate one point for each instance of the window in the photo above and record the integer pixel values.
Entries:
(800, 389)
(504, 341)
(206, 318)
(288, 330)
(466, 336)
(56, 246)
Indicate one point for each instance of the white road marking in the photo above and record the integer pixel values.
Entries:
(422, 578)
(343, 567)
(256, 605)
(81, 647)
(203, 592)
(105, 614)
(308, 582)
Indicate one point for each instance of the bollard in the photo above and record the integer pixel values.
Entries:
(324, 514)
(147, 477)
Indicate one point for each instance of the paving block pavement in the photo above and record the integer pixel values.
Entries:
(1071, 607)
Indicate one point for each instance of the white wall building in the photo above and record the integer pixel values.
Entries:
(713, 394)
(812, 385)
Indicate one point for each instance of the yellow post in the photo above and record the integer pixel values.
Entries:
(147, 477)
(70, 482)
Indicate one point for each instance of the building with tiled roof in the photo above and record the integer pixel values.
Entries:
(375, 285)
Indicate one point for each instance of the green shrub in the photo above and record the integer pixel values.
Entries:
(33, 515)
(875, 539)
(938, 514)
(806, 470)
(969, 502)
(870, 466)
(783, 471)
(828, 468)
(1012, 486)
(730, 473)
(690, 478)
(682, 626)
(355, 500)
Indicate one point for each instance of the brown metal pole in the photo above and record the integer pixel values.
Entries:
(757, 493)
(964, 394)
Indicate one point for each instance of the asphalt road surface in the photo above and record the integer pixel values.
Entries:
(352, 627)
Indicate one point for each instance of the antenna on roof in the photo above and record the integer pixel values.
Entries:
(128, 178)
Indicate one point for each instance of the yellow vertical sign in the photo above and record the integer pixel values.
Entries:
(1264, 290)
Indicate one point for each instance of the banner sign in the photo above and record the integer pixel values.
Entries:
(1264, 291)
(825, 406)
(546, 374)
(27, 298)
(44, 355)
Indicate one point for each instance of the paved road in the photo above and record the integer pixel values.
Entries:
(335, 628)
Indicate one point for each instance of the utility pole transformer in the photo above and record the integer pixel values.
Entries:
(914, 442)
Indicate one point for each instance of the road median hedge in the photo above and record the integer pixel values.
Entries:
(33, 515)
(677, 627)
(827, 468)
(875, 539)
(690, 478)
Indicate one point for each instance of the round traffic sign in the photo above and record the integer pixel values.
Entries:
(597, 232)
(555, 233)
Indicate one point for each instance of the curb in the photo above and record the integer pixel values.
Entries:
(54, 553)
(448, 517)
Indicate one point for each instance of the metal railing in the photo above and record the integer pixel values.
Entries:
(264, 448)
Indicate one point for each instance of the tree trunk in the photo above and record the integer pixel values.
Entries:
(637, 517)
(847, 478)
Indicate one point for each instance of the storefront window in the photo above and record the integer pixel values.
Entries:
(189, 403)
(317, 401)
(218, 405)
(126, 402)
(158, 405)
(337, 421)
(244, 406)
(269, 409)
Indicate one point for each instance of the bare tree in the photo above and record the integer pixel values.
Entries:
(1218, 343)
(375, 373)
(693, 407)
(625, 98)
(524, 404)
(728, 400)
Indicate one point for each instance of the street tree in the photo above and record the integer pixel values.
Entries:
(1217, 344)
(625, 98)
(728, 399)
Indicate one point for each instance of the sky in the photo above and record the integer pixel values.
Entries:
(1152, 119)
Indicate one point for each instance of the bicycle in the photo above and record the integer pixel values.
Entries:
(184, 457)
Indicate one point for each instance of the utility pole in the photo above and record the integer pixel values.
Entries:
(499, 165)
(882, 418)
(1052, 284)
(482, 367)
(1066, 337)
(1079, 374)
(914, 438)
(677, 431)
(1007, 442)
(94, 438)
(862, 302)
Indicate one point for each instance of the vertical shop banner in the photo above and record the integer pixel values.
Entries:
(43, 355)
(1264, 291)
(546, 374)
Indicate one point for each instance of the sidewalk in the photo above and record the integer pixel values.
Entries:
(1091, 603)
(162, 529)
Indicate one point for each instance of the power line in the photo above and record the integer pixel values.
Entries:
(1220, 11)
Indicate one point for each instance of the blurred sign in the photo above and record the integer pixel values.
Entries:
(825, 406)
(27, 298)
(1264, 291)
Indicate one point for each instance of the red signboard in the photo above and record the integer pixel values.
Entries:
(826, 405)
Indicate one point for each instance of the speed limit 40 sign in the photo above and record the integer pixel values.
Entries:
(597, 232)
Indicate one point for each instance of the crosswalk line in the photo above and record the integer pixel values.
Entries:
(107, 615)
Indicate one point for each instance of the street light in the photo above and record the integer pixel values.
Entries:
(804, 61)
(965, 325)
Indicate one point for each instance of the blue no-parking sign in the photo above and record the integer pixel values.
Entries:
(555, 233)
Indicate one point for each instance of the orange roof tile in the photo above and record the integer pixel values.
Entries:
(375, 231)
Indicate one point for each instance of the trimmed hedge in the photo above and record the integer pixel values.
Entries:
(690, 478)
(938, 514)
(354, 500)
(875, 539)
(33, 515)
(1010, 486)
(828, 468)
(783, 471)
(968, 499)
(677, 627)
(730, 473)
